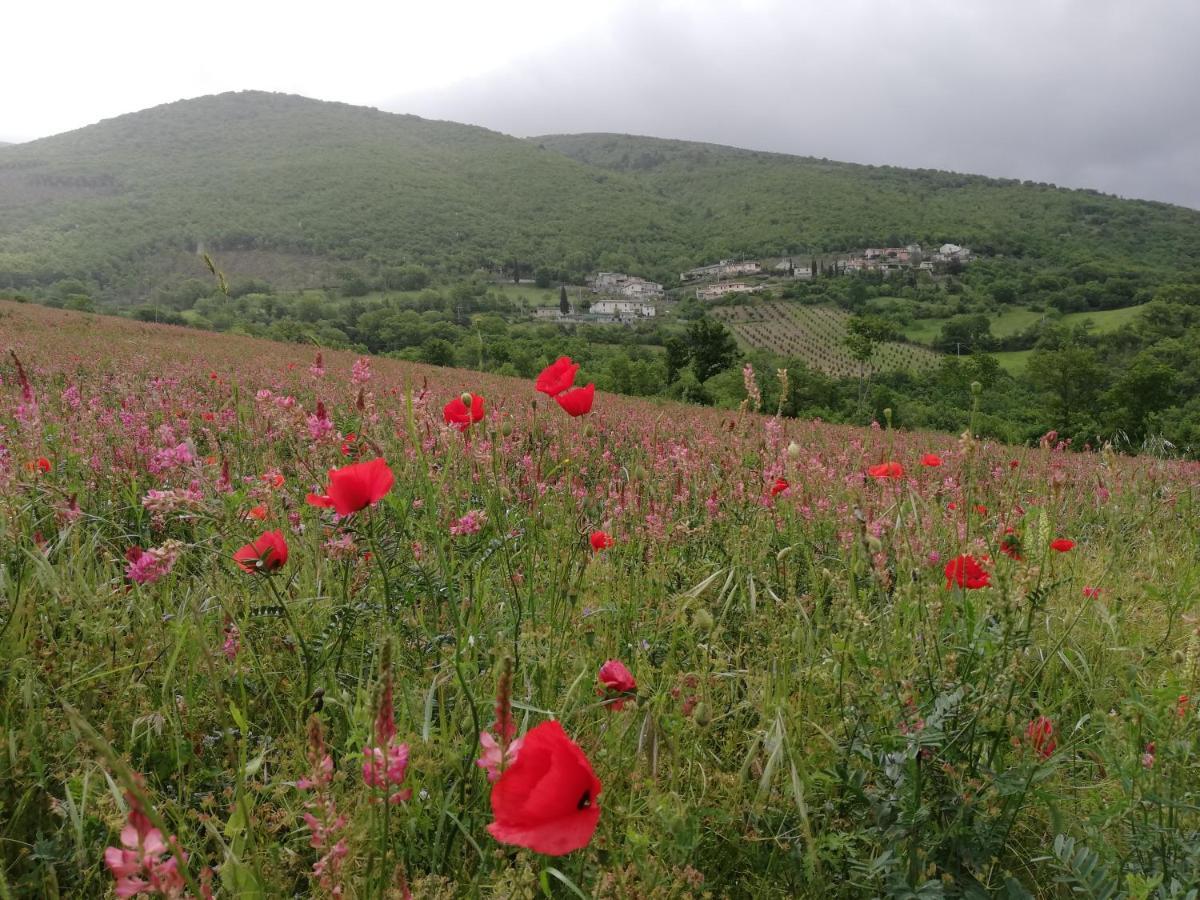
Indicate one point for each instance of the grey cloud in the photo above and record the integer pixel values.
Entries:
(1083, 93)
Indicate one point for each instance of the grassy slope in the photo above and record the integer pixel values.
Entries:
(1015, 319)
(794, 655)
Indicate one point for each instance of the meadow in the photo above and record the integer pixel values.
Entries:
(277, 622)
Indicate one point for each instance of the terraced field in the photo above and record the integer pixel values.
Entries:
(816, 335)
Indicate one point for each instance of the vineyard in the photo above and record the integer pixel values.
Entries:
(815, 334)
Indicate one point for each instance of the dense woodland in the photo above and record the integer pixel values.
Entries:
(345, 227)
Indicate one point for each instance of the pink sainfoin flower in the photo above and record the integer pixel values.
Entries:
(233, 642)
(360, 372)
(145, 862)
(325, 825)
(320, 426)
(500, 751)
(753, 394)
(469, 524)
(493, 758)
(317, 369)
(386, 763)
(148, 566)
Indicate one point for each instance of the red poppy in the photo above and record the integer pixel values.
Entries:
(616, 679)
(931, 460)
(266, 554)
(981, 509)
(355, 487)
(41, 464)
(1040, 735)
(546, 800)
(1010, 544)
(577, 402)
(258, 512)
(1092, 593)
(601, 540)
(348, 443)
(557, 377)
(458, 415)
(780, 485)
(886, 470)
(966, 572)
(1062, 545)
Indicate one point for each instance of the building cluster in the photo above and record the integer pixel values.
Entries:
(626, 285)
(726, 268)
(892, 259)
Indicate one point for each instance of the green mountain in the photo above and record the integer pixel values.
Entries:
(754, 202)
(295, 190)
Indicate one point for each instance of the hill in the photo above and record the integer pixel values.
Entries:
(755, 202)
(297, 190)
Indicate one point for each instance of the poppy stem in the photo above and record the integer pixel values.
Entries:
(287, 615)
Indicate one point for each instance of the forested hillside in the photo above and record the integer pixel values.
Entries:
(305, 190)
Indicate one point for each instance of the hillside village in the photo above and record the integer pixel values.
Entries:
(628, 298)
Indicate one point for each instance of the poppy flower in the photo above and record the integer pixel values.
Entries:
(780, 485)
(966, 572)
(577, 402)
(41, 465)
(931, 460)
(459, 416)
(557, 377)
(1039, 733)
(1092, 593)
(601, 540)
(1062, 545)
(886, 470)
(616, 679)
(355, 487)
(268, 553)
(546, 800)
(258, 512)
(1010, 544)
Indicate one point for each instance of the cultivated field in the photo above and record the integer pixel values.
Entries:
(816, 335)
(848, 662)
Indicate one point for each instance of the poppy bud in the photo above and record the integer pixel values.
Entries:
(702, 715)
(506, 428)
(703, 621)
(887, 415)
(976, 388)
(466, 399)
(793, 450)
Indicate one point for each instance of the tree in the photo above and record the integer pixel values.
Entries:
(966, 334)
(564, 305)
(677, 356)
(1072, 379)
(712, 347)
(863, 335)
(437, 352)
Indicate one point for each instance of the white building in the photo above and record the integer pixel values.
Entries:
(726, 268)
(622, 308)
(627, 285)
(720, 289)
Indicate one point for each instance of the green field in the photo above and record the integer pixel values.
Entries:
(1015, 320)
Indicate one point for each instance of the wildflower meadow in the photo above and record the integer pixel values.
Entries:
(278, 622)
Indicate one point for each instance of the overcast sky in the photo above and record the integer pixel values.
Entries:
(1085, 93)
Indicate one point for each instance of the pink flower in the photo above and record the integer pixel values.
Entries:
(491, 759)
(469, 524)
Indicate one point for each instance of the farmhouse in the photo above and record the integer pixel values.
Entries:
(627, 285)
(713, 291)
(726, 268)
(622, 308)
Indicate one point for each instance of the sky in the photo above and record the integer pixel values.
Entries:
(1083, 93)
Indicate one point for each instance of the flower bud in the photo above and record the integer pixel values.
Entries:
(702, 621)
(793, 450)
(702, 715)
(466, 399)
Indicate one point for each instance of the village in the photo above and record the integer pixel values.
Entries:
(615, 297)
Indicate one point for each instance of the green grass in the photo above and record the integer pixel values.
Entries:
(1016, 319)
(1013, 361)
